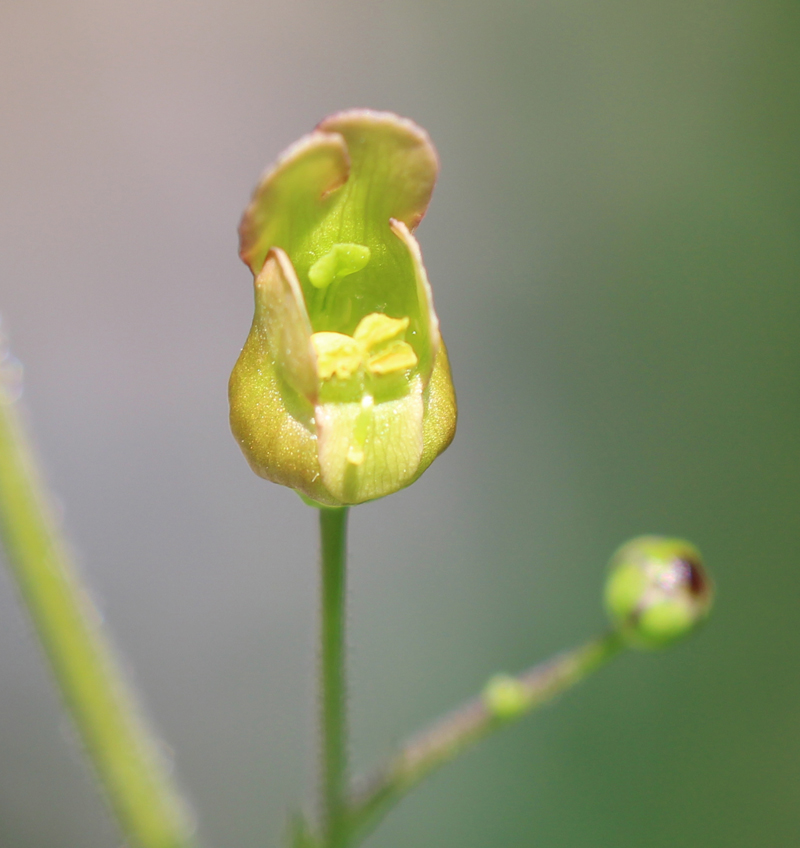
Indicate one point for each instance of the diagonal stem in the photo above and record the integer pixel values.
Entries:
(121, 746)
(333, 536)
(501, 703)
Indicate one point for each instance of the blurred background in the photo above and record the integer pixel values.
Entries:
(614, 246)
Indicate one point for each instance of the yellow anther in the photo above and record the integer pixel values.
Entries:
(377, 329)
(337, 354)
(376, 347)
(399, 357)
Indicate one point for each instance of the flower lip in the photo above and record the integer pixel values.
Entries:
(324, 166)
(323, 159)
(429, 163)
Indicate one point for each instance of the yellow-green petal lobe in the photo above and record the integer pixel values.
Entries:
(280, 305)
(293, 196)
(273, 427)
(398, 156)
(428, 340)
(441, 411)
(368, 450)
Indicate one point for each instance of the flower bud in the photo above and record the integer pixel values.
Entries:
(505, 697)
(657, 591)
(343, 388)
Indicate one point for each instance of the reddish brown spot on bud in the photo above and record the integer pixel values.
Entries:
(695, 577)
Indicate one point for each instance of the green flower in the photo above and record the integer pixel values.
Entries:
(343, 389)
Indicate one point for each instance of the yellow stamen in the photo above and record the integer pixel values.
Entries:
(399, 357)
(376, 346)
(337, 354)
(377, 329)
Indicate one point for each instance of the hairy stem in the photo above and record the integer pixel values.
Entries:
(333, 536)
(123, 750)
(464, 727)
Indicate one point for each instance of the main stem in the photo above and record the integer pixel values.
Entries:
(121, 746)
(333, 536)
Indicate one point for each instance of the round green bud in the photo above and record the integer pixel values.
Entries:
(505, 697)
(657, 591)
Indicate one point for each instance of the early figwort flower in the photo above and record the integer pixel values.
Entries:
(343, 389)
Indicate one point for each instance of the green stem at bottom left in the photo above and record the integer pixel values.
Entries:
(123, 750)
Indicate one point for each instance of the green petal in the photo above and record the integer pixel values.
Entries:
(292, 196)
(441, 411)
(395, 155)
(368, 451)
(427, 339)
(282, 311)
(273, 427)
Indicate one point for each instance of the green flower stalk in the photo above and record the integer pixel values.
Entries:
(343, 388)
(125, 753)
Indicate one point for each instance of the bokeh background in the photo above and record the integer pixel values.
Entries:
(614, 246)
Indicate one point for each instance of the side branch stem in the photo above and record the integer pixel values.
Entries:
(124, 752)
(333, 535)
(465, 726)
